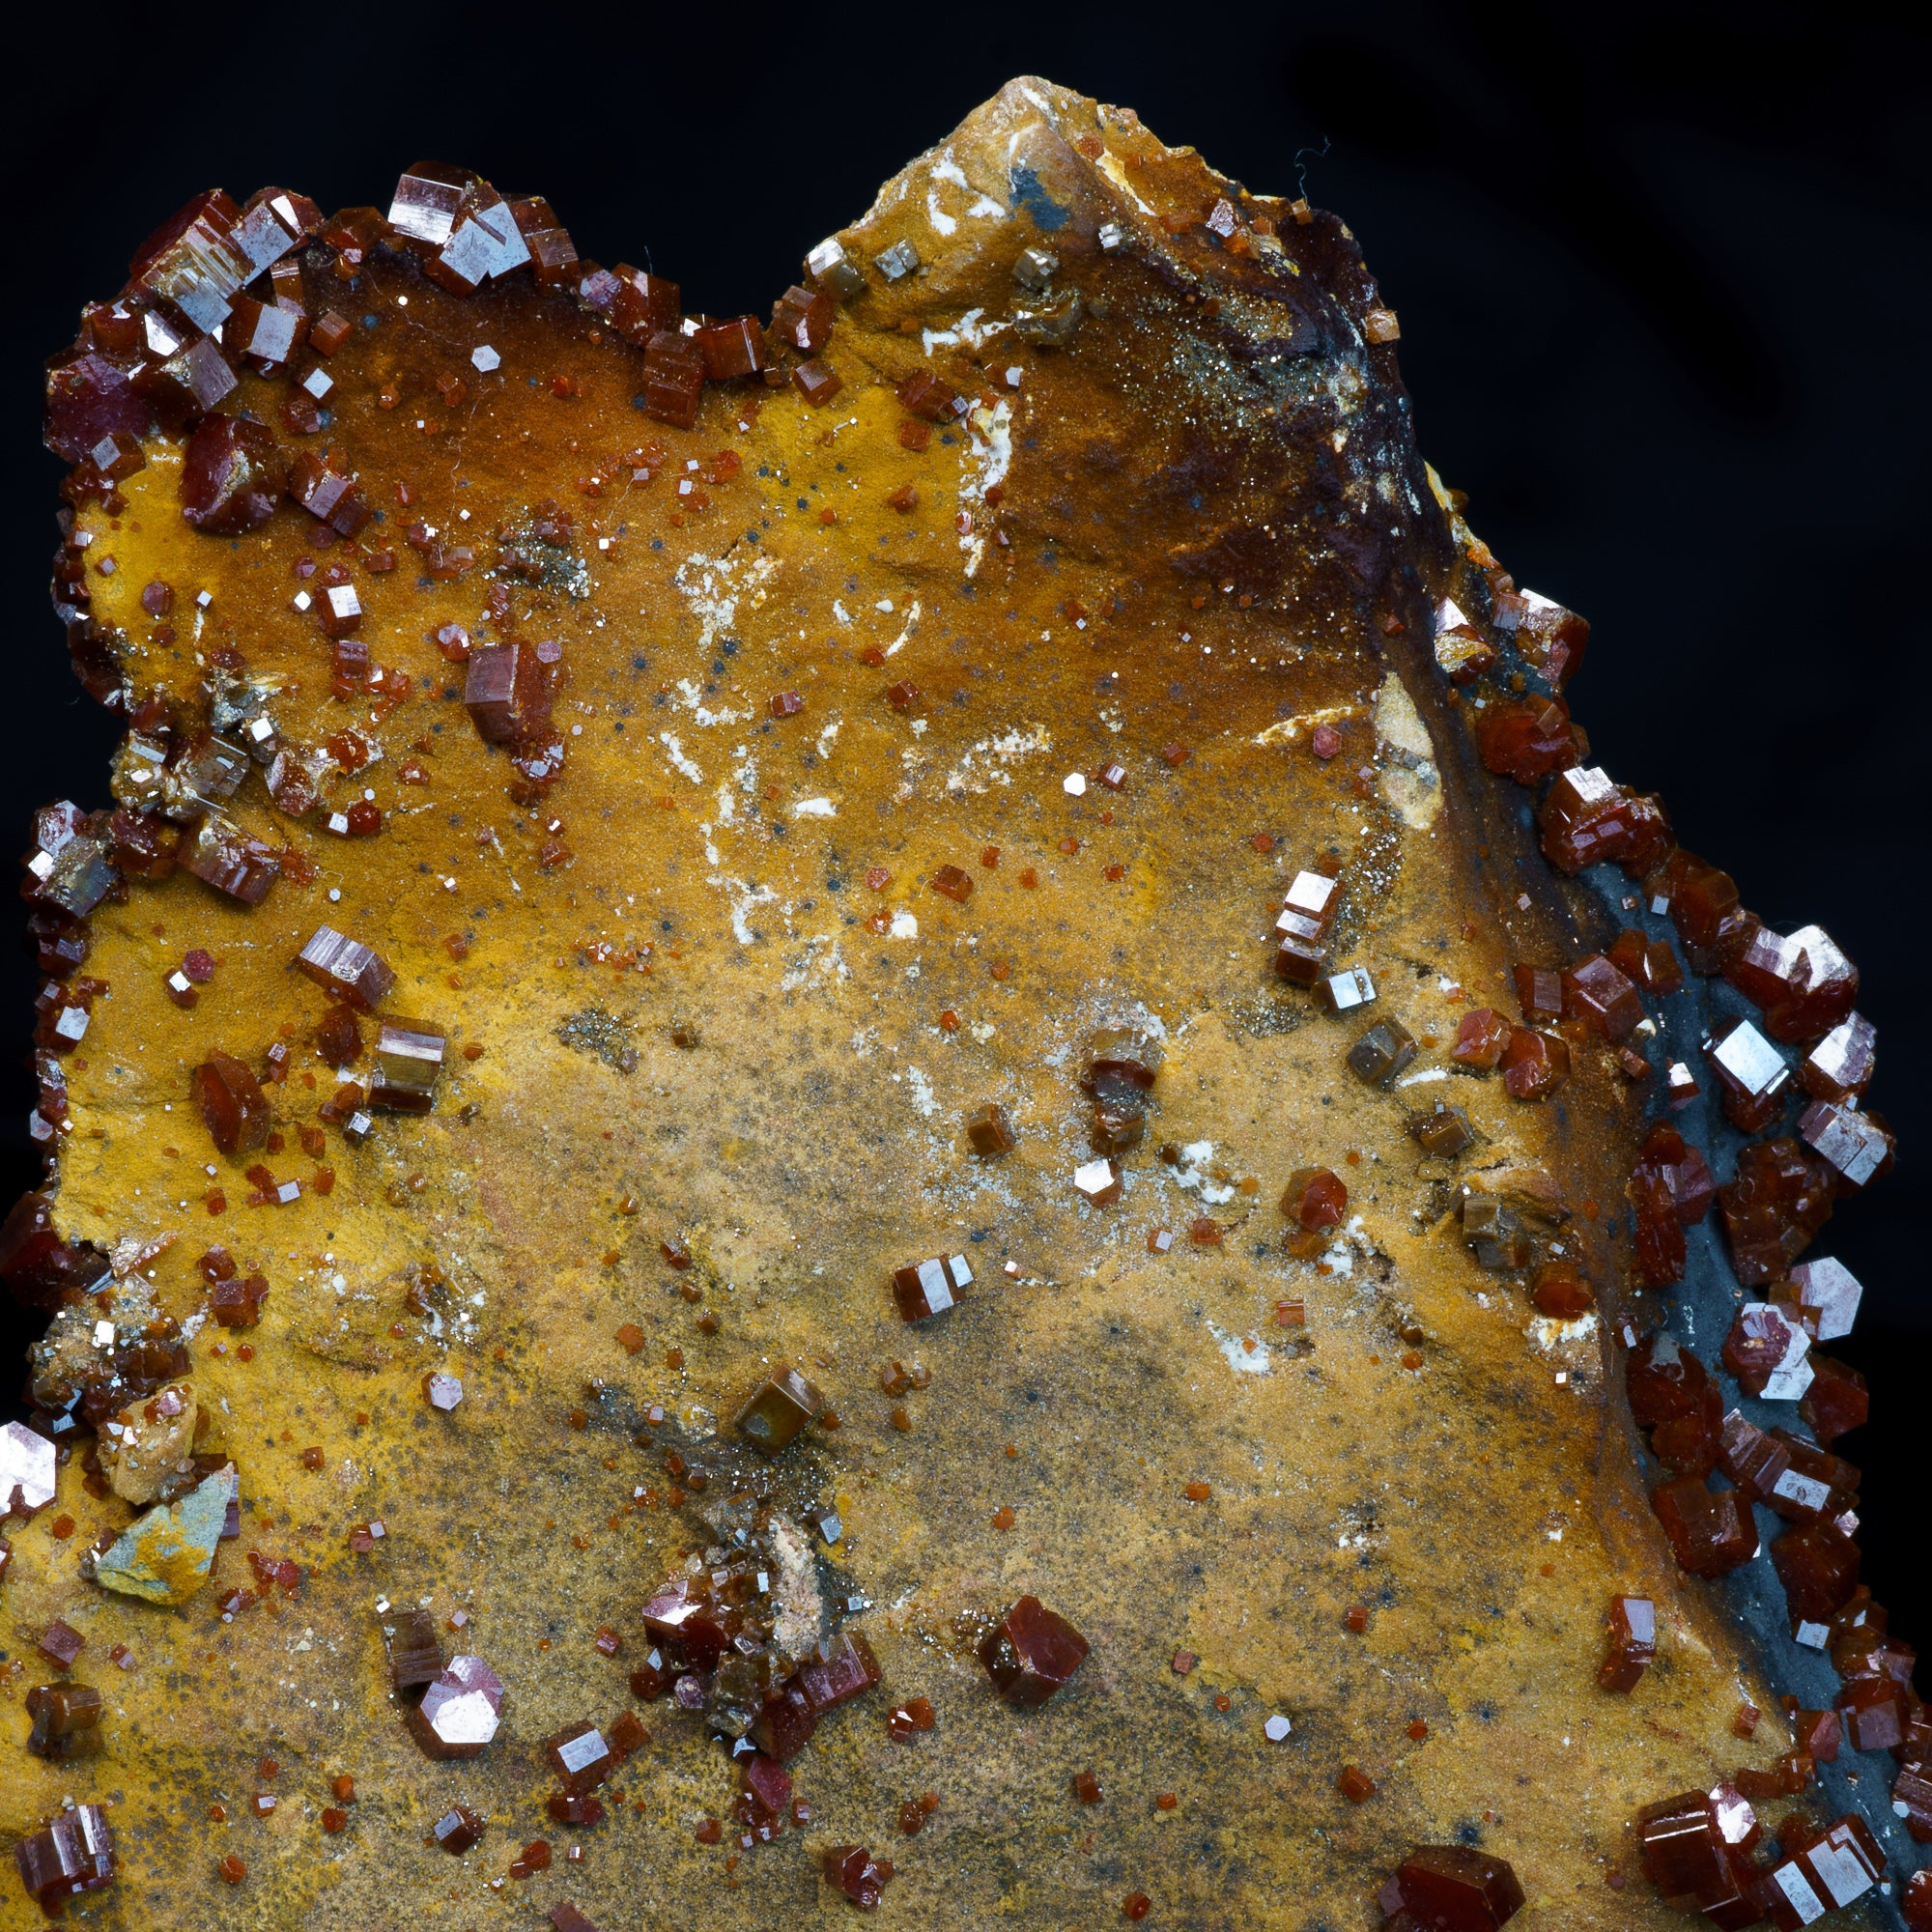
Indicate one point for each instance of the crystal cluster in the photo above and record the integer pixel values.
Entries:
(72, 1856)
(1306, 914)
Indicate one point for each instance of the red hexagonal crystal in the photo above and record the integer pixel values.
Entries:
(1455, 1888)
(1586, 819)
(840, 1671)
(460, 1711)
(1712, 1531)
(580, 1758)
(1836, 1402)
(1841, 1066)
(1819, 1569)
(72, 1856)
(1529, 739)
(854, 1871)
(1480, 1038)
(1534, 1065)
(231, 1103)
(1858, 1147)
(1631, 1648)
(1777, 1201)
(1766, 1354)
(233, 476)
(1803, 985)
(1599, 995)
(1315, 1198)
(1031, 1652)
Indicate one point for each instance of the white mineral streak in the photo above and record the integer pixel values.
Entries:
(985, 462)
(978, 765)
(1409, 781)
(1290, 730)
(904, 636)
(675, 751)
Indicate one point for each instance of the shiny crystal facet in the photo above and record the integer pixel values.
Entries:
(1031, 1652)
(460, 1711)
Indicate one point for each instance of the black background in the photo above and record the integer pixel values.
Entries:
(1664, 280)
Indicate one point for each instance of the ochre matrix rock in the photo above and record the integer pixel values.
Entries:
(908, 1050)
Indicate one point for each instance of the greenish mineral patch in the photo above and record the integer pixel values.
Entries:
(165, 1556)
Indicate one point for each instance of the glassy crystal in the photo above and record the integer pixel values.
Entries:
(1346, 992)
(1031, 1652)
(460, 1711)
(1534, 1065)
(1381, 1053)
(231, 1103)
(1457, 1888)
(930, 1288)
(1711, 1531)
(233, 475)
(1632, 1643)
(990, 1129)
(221, 855)
(1599, 995)
(1315, 1198)
(1307, 912)
(1766, 1354)
(777, 1409)
(1481, 1035)
(1827, 1294)
(1751, 1074)
(1442, 1131)
(1819, 1569)
(347, 968)
(1586, 819)
(72, 1856)
(1839, 1068)
(416, 1657)
(329, 497)
(458, 1830)
(580, 1758)
(1836, 1402)
(27, 1470)
(853, 1870)
(1494, 1234)
(1857, 1145)
(673, 379)
(1777, 1200)
(409, 1058)
(1529, 739)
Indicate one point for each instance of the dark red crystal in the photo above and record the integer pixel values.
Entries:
(232, 476)
(1599, 995)
(1534, 1065)
(1481, 1037)
(1457, 1888)
(1777, 1201)
(72, 1856)
(1711, 1530)
(580, 1758)
(854, 1871)
(231, 1103)
(1527, 740)
(1836, 1402)
(1819, 1569)
(1031, 1652)
(1631, 1648)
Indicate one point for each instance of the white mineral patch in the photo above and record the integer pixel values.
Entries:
(1245, 1355)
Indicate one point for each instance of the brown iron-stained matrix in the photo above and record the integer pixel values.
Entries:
(876, 1112)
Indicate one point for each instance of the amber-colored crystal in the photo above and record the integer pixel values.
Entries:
(1777, 1200)
(580, 1758)
(1494, 1233)
(1837, 1401)
(1529, 739)
(460, 1711)
(990, 1129)
(1539, 992)
(63, 1718)
(1825, 1295)
(343, 966)
(1308, 910)
(817, 383)
(1481, 1037)
(732, 349)
(1711, 1531)
(505, 693)
(73, 1854)
(1315, 1198)
(1031, 1652)
(1841, 1066)
(458, 1830)
(1631, 1648)
(853, 1870)
(1442, 1131)
(777, 1409)
(409, 1058)
(1768, 1353)
(802, 318)
(1649, 964)
(673, 379)
(1534, 1065)
(1560, 1292)
(1858, 1147)
(1819, 1568)
(237, 1303)
(1381, 1053)
(1587, 819)
(232, 1104)
(416, 1657)
(1804, 985)
(930, 1286)
(1599, 995)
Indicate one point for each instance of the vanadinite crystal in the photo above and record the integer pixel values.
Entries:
(662, 834)
(1031, 1652)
